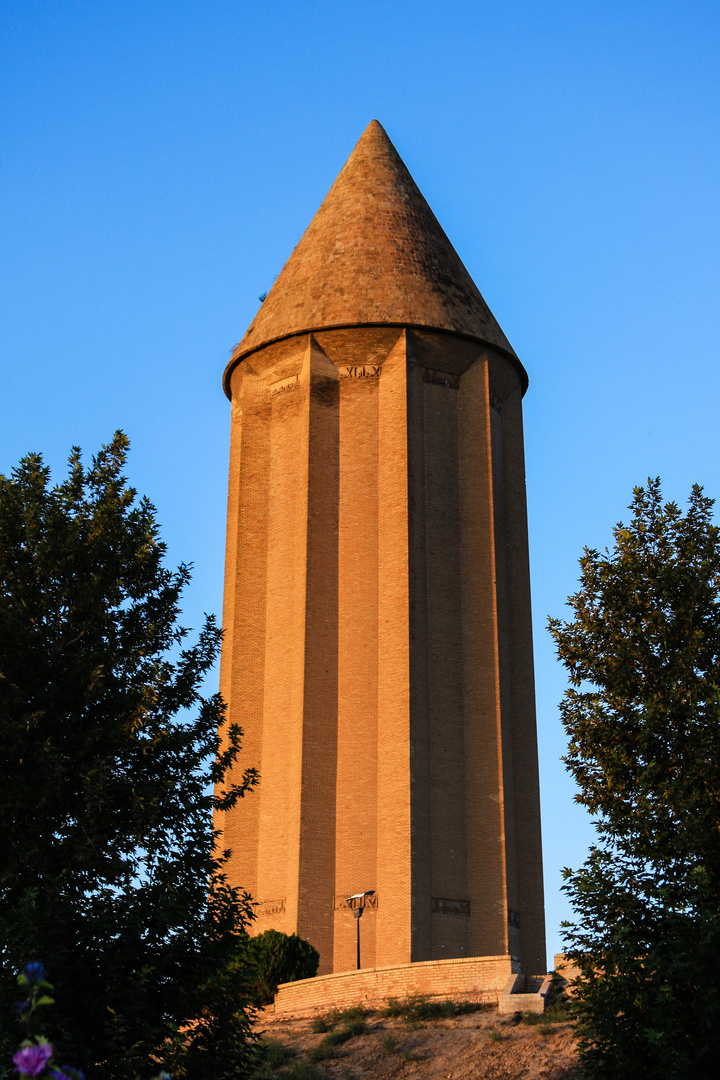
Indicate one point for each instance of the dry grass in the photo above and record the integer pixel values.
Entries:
(422, 1039)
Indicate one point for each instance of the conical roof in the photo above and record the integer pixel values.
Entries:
(373, 255)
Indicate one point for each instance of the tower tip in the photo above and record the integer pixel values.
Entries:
(373, 255)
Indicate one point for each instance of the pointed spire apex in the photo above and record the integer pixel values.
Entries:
(373, 255)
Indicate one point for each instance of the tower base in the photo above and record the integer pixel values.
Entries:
(483, 979)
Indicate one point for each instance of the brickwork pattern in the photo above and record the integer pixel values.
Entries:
(373, 254)
(480, 979)
(377, 650)
(386, 601)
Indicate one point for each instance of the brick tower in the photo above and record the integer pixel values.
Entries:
(378, 650)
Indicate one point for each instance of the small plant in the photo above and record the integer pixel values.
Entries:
(336, 1038)
(356, 1027)
(302, 1070)
(532, 1018)
(324, 1051)
(283, 1069)
(393, 1007)
(408, 1055)
(353, 1025)
(333, 1016)
(274, 1053)
(319, 1025)
(495, 1035)
(263, 1071)
(389, 1042)
(559, 1010)
(35, 1056)
(355, 1012)
(545, 1029)
(326, 1048)
(418, 1008)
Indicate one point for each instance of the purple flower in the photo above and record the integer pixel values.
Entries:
(34, 972)
(67, 1073)
(31, 1060)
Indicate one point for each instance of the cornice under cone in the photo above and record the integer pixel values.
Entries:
(373, 255)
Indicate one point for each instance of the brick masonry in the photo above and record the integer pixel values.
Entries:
(378, 651)
(481, 979)
(373, 254)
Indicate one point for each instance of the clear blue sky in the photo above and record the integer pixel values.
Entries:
(160, 160)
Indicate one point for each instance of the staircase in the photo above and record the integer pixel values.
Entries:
(525, 993)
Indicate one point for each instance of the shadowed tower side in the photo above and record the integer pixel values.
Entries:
(378, 650)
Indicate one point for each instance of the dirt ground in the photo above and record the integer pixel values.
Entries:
(478, 1046)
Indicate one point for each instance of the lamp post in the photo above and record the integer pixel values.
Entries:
(357, 910)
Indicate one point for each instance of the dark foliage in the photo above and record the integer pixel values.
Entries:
(280, 958)
(643, 718)
(109, 873)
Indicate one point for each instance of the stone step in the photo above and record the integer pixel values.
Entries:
(525, 993)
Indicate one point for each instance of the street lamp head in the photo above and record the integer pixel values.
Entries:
(359, 895)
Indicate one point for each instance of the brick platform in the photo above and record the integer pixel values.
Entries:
(473, 978)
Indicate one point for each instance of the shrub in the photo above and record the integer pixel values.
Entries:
(389, 1042)
(532, 1018)
(275, 1053)
(323, 1051)
(295, 1070)
(355, 1012)
(302, 1070)
(393, 1007)
(280, 958)
(357, 1026)
(419, 1008)
(353, 1025)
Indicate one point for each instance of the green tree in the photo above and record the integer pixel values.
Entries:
(642, 713)
(280, 958)
(109, 871)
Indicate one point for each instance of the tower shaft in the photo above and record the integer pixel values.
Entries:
(378, 650)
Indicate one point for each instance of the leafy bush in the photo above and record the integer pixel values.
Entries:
(393, 1007)
(324, 1051)
(280, 958)
(354, 1012)
(353, 1024)
(356, 1026)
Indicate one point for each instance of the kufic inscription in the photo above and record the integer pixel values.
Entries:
(360, 371)
(450, 907)
(270, 907)
(370, 903)
(283, 385)
(441, 378)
